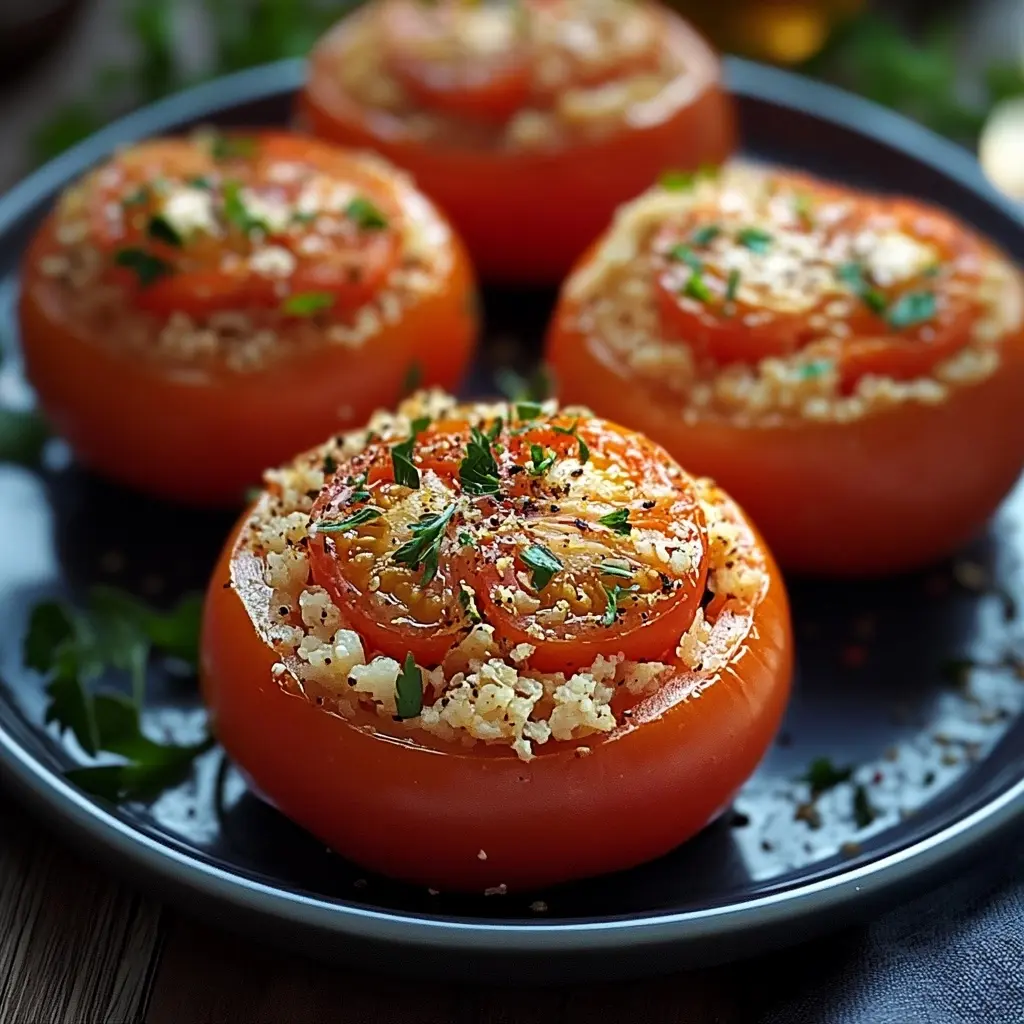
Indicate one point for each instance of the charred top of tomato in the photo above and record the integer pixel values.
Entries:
(205, 240)
(541, 550)
(756, 273)
(519, 74)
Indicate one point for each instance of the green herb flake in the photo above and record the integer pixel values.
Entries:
(233, 147)
(611, 609)
(200, 181)
(542, 563)
(237, 213)
(466, 539)
(815, 369)
(307, 304)
(160, 229)
(617, 521)
(803, 207)
(622, 572)
(911, 309)
(852, 275)
(677, 181)
(823, 775)
(538, 387)
(405, 470)
(755, 239)
(705, 235)
(467, 599)
(526, 411)
(864, 813)
(541, 460)
(424, 548)
(682, 253)
(137, 197)
(478, 471)
(146, 267)
(360, 518)
(409, 689)
(365, 215)
(574, 431)
(696, 288)
(732, 285)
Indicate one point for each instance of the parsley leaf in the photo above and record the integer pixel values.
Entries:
(573, 431)
(732, 285)
(539, 387)
(425, 545)
(622, 572)
(541, 461)
(467, 598)
(405, 470)
(237, 213)
(611, 609)
(823, 775)
(308, 303)
(543, 564)
(366, 216)
(617, 521)
(911, 309)
(360, 518)
(466, 539)
(705, 235)
(233, 147)
(755, 239)
(528, 410)
(115, 633)
(478, 471)
(409, 689)
(863, 811)
(162, 230)
(147, 267)
(137, 197)
(682, 253)
(852, 274)
(696, 288)
(677, 181)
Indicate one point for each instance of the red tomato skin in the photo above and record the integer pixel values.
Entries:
(409, 812)
(203, 439)
(527, 216)
(887, 493)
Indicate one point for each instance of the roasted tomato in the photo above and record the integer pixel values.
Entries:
(530, 121)
(236, 294)
(847, 365)
(477, 636)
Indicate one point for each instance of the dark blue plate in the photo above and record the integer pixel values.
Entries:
(937, 762)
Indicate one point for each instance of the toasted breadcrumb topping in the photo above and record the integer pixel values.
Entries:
(619, 314)
(480, 693)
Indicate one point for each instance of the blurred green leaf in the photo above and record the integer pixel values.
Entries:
(66, 126)
(22, 436)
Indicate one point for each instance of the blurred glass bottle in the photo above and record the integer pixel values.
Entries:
(777, 31)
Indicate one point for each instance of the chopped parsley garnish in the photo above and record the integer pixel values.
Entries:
(611, 609)
(425, 545)
(573, 431)
(115, 634)
(732, 285)
(528, 410)
(233, 147)
(813, 370)
(755, 239)
(823, 775)
(864, 812)
(409, 689)
(138, 197)
(406, 472)
(360, 518)
(622, 572)
(467, 598)
(696, 288)
(541, 460)
(677, 181)
(365, 215)
(933, 270)
(911, 309)
(308, 303)
(542, 563)
(200, 181)
(466, 539)
(705, 235)
(359, 493)
(413, 379)
(617, 521)
(237, 212)
(803, 206)
(147, 267)
(478, 472)
(682, 253)
(852, 274)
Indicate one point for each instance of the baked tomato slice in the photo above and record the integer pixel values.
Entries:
(572, 537)
(742, 277)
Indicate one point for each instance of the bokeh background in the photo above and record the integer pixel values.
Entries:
(69, 66)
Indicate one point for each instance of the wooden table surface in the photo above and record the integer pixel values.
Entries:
(78, 946)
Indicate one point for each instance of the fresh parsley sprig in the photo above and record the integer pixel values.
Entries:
(542, 563)
(425, 546)
(115, 634)
(617, 521)
(574, 431)
(405, 470)
(365, 515)
(478, 471)
(409, 689)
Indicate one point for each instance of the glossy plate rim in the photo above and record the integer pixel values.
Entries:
(700, 935)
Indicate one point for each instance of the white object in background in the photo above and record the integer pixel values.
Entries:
(1001, 149)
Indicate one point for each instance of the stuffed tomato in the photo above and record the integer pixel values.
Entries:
(199, 308)
(528, 122)
(847, 365)
(463, 646)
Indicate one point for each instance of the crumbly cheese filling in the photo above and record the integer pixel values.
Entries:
(620, 318)
(590, 68)
(247, 339)
(481, 692)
